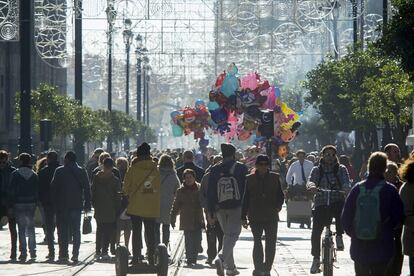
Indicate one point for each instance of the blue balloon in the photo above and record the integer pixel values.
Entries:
(174, 114)
(199, 102)
(230, 85)
(213, 105)
(278, 92)
(219, 116)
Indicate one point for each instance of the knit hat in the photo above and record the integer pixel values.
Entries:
(227, 150)
(262, 158)
(143, 149)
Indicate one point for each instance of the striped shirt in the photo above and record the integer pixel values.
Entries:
(329, 180)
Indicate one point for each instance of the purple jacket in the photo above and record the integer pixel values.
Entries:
(392, 214)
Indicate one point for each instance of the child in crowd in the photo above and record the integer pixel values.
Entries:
(187, 204)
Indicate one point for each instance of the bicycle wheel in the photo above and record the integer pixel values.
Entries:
(327, 258)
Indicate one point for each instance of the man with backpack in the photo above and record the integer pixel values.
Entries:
(224, 197)
(372, 211)
(328, 181)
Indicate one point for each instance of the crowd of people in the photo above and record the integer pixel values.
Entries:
(217, 192)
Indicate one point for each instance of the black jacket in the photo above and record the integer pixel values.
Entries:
(45, 178)
(5, 175)
(70, 188)
(190, 165)
(24, 187)
(263, 198)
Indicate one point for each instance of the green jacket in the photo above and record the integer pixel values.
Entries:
(106, 200)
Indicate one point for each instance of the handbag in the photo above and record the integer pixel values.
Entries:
(87, 224)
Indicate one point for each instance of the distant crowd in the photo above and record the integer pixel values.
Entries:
(216, 192)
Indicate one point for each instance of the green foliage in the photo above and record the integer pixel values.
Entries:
(69, 117)
(390, 95)
(360, 90)
(398, 38)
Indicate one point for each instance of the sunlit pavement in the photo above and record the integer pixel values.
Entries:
(292, 256)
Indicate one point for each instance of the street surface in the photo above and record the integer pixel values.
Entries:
(292, 256)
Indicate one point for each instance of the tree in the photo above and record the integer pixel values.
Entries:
(70, 118)
(360, 92)
(398, 37)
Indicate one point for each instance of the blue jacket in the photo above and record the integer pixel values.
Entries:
(23, 187)
(392, 215)
(240, 173)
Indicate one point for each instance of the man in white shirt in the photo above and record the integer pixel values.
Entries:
(298, 174)
(299, 171)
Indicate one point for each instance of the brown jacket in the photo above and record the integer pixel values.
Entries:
(263, 198)
(407, 196)
(187, 205)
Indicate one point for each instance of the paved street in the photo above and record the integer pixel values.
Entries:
(292, 256)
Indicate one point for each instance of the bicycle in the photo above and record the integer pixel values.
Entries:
(328, 244)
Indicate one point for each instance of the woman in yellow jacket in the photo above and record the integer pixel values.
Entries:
(142, 186)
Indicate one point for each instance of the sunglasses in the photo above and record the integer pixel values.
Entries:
(327, 154)
(263, 164)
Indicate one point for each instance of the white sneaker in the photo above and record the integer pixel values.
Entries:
(231, 272)
(219, 267)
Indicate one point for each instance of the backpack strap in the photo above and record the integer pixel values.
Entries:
(233, 168)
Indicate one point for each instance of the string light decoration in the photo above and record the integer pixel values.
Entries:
(9, 20)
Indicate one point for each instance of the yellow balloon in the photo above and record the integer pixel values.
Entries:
(289, 113)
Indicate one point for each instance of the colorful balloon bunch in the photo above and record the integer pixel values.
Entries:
(190, 119)
(238, 108)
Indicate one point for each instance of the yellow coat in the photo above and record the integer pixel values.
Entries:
(143, 192)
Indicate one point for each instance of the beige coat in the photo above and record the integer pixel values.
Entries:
(407, 196)
(187, 205)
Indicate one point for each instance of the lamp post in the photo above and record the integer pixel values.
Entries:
(145, 61)
(128, 36)
(26, 34)
(147, 80)
(111, 16)
(138, 52)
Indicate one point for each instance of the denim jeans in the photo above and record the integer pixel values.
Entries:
(25, 223)
(68, 221)
(230, 221)
(165, 234)
(192, 243)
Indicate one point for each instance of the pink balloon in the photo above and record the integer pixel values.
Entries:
(249, 81)
(232, 120)
(270, 102)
